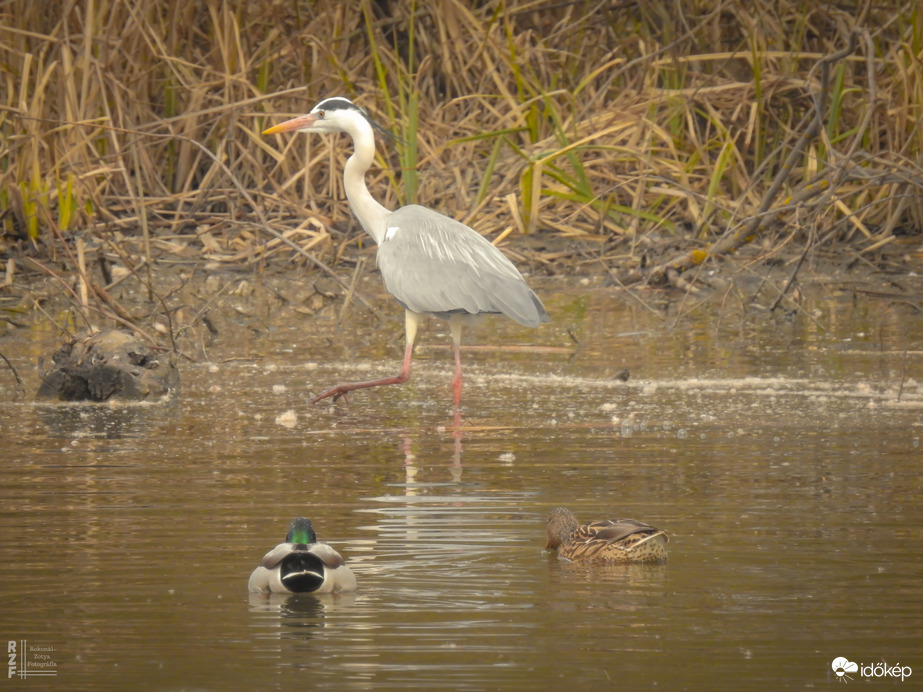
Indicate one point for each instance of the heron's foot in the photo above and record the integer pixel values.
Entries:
(337, 393)
(344, 388)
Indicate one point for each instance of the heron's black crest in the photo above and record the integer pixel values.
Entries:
(337, 103)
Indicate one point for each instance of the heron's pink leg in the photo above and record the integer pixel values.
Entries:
(457, 380)
(345, 388)
(455, 325)
(411, 321)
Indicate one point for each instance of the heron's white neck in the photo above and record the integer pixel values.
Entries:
(370, 213)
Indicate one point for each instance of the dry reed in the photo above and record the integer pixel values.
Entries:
(638, 128)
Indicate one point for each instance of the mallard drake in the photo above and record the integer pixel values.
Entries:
(302, 565)
(622, 540)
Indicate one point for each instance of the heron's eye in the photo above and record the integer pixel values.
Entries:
(320, 114)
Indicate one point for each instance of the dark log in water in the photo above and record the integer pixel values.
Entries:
(108, 365)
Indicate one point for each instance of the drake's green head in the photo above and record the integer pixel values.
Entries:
(301, 532)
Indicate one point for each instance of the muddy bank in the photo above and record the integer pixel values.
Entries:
(191, 304)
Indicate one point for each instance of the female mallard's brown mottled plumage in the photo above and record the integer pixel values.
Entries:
(622, 540)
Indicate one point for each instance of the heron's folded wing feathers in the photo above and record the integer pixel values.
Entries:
(432, 263)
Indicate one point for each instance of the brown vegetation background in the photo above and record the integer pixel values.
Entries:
(639, 138)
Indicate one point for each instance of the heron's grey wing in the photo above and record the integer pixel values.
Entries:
(432, 263)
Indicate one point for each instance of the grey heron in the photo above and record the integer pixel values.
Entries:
(430, 263)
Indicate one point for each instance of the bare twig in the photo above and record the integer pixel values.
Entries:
(20, 385)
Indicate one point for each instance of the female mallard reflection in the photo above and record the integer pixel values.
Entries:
(622, 540)
(302, 565)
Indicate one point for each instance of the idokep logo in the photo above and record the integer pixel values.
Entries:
(843, 666)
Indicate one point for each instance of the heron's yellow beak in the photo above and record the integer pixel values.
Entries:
(302, 122)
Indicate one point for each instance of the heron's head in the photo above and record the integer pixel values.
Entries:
(335, 114)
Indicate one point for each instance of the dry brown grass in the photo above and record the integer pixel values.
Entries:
(638, 128)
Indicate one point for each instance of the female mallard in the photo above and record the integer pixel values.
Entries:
(623, 540)
(302, 565)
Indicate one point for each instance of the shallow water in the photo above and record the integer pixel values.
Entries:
(781, 455)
